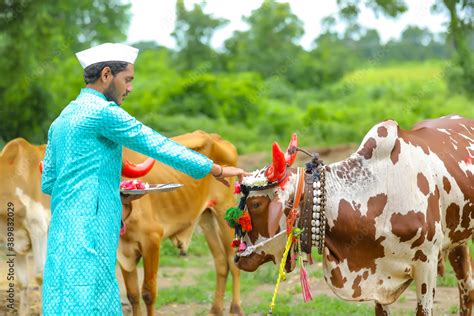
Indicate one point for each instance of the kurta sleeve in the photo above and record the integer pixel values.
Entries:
(48, 178)
(122, 128)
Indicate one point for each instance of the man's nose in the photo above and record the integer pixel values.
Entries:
(129, 88)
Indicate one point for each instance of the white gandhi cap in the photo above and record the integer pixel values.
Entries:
(107, 52)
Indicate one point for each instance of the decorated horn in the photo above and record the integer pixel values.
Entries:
(276, 170)
(291, 152)
(130, 170)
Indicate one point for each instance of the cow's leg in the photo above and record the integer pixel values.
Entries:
(21, 271)
(226, 234)
(461, 263)
(382, 310)
(151, 258)
(425, 273)
(133, 292)
(209, 227)
(39, 244)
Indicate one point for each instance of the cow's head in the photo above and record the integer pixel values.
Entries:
(265, 196)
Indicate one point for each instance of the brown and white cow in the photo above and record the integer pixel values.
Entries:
(20, 186)
(392, 208)
(175, 215)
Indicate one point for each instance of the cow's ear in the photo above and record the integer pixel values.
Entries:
(275, 211)
(10, 152)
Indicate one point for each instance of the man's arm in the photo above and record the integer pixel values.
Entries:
(48, 178)
(122, 128)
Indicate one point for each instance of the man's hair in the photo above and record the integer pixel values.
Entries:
(92, 72)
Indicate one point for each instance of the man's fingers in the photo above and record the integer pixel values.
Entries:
(224, 181)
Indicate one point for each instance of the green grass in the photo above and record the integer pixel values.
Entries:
(449, 278)
(454, 309)
(286, 304)
(170, 257)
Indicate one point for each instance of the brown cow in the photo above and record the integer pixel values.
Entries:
(385, 214)
(174, 215)
(21, 189)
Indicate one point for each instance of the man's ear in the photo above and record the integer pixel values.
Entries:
(106, 74)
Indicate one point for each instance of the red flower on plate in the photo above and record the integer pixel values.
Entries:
(132, 185)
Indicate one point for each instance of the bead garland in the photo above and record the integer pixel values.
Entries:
(318, 222)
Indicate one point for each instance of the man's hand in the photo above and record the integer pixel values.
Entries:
(220, 173)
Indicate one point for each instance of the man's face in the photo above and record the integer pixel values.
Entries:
(120, 86)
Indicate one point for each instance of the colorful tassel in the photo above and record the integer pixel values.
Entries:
(235, 243)
(232, 215)
(237, 187)
(245, 221)
(305, 284)
(242, 246)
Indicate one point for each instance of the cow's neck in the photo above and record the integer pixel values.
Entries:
(346, 182)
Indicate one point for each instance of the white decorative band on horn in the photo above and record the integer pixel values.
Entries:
(257, 179)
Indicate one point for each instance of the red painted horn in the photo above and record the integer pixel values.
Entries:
(291, 152)
(130, 170)
(277, 169)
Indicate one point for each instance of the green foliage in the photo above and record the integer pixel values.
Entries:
(37, 40)
(270, 43)
(193, 32)
(461, 29)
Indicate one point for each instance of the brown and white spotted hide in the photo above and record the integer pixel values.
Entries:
(393, 207)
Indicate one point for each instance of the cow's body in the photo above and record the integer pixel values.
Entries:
(174, 215)
(394, 206)
(20, 186)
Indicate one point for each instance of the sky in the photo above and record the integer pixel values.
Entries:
(153, 20)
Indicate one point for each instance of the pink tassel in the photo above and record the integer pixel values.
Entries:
(305, 284)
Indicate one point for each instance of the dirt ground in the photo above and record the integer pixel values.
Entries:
(445, 297)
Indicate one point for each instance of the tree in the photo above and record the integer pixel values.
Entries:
(461, 25)
(193, 33)
(270, 44)
(37, 42)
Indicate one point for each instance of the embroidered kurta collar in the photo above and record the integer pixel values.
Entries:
(94, 92)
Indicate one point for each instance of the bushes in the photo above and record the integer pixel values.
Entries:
(253, 113)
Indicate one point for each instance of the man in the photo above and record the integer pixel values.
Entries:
(81, 172)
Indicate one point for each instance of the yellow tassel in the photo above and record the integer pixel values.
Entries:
(281, 272)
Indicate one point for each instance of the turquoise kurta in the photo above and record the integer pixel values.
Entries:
(82, 167)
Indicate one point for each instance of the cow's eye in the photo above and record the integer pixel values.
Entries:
(255, 205)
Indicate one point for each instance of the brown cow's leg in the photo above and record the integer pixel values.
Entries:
(226, 234)
(133, 292)
(461, 262)
(209, 227)
(382, 310)
(151, 258)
